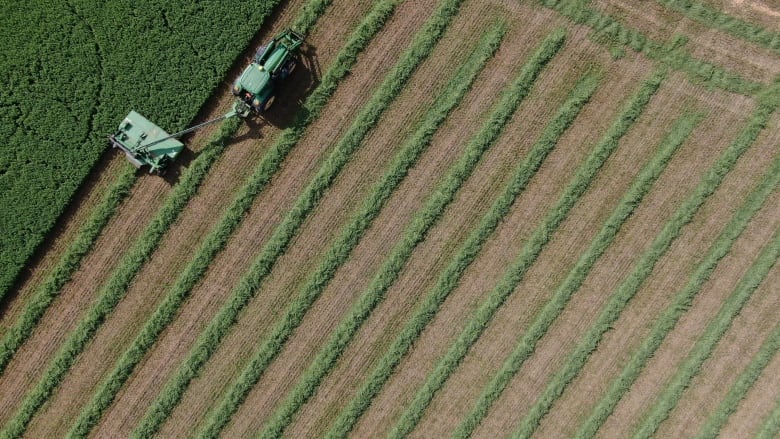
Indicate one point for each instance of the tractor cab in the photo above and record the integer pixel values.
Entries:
(271, 64)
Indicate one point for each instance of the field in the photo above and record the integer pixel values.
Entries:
(548, 218)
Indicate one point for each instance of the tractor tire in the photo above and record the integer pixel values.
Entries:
(269, 102)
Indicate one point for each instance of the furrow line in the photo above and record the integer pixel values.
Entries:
(555, 306)
(491, 130)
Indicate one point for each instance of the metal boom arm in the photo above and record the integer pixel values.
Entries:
(188, 130)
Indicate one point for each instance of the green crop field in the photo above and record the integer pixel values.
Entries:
(469, 218)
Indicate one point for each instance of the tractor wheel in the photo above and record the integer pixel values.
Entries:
(291, 66)
(269, 102)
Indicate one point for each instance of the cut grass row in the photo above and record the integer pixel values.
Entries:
(771, 426)
(549, 138)
(219, 236)
(745, 381)
(674, 57)
(422, 45)
(351, 234)
(716, 19)
(642, 269)
(488, 134)
(500, 208)
(709, 339)
(116, 287)
(69, 262)
(555, 306)
(681, 303)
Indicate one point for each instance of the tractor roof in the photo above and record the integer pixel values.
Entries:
(254, 78)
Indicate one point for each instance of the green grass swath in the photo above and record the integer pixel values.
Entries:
(351, 234)
(771, 426)
(69, 262)
(709, 339)
(628, 288)
(553, 308)
(391, 86)
(417, 231)
(116, 287)
(549, 138)
(502, 205)
(222, 232)
(674, 57)
(682, 302)
(745, 381)
(716, 19)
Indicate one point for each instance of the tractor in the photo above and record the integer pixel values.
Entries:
(145, 143)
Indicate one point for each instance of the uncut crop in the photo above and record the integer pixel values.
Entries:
(486, 137)
(682, 302)
(571, 284)
(368, 117)
(71, 73)
(351, 234)
(644, 266)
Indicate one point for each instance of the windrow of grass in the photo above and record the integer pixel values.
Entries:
(681, 303)
(745, 381)
(716, 19)
(771, 426)
(351, 234)
(422, 45)
(644, 266)
(234, 215)
(423, 221)
(69, 262)
(116, 287)
(477, 238)
(709, 339)
(555, 306)
(671, 55)
(466, 255)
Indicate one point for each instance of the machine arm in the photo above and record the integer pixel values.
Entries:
(230, 114)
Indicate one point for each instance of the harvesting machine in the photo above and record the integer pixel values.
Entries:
(145, 143)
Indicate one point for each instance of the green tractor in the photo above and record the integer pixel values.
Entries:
(145, 143)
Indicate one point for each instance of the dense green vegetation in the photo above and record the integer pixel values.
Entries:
(672, 55)
(67, 265)
(486, 137)
(115, 288)
(681, 303)
(737, 392)
(388, 90)
(571, 284)
(719, 20)
(644, 266)
(709, 339)
(351, 234)
(72, 70)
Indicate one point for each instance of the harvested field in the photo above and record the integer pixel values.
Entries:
(501, 280)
